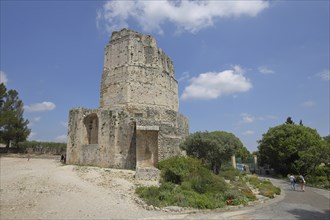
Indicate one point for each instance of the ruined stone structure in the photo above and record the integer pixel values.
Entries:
(138, 122)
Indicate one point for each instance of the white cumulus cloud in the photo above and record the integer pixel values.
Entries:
(190, 16)
(212, 85)
(39, 107)
(3, 77)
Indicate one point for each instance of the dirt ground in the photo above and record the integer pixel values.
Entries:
(47, 189)
(42, 188)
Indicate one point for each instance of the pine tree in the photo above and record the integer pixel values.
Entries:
(13, 127)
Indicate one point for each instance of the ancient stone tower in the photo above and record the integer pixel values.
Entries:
(138, 122)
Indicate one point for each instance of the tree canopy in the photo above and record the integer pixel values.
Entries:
(291, 148)
(13, 127)
(212, 148)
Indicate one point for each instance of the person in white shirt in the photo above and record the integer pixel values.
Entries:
(292, 181)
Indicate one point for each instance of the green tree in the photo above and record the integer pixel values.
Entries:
(212, 148)
(243, 153)
(291, 148)
(12, 124)
(327, 139)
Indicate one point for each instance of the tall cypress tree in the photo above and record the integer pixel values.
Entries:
(13, 127)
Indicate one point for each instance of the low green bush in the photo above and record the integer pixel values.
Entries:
(320, 178)
(266, 188)
(228, 172)
(244, 189)
(178, 169)
(149, 194)
(186, 182)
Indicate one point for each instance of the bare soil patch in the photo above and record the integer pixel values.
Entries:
(46, 189)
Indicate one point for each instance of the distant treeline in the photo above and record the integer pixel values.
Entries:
(39, 147)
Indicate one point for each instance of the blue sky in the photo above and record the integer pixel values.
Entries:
(242, 67)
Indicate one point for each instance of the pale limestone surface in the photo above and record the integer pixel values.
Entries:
(137, 123)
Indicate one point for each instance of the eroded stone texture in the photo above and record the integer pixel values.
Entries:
(138, 123)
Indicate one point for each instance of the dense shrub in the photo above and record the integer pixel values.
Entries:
(179, 169)
(186, 182)
(150, 195)
(244, 189)
(266, 188)
(320, 178)
(228, 172)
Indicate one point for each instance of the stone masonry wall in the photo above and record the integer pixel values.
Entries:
(138, 123)
(137, 73)
(117, 145)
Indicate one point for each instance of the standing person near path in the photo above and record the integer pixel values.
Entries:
(292, 181)
(302, 182)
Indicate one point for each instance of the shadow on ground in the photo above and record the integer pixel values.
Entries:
(305, 214)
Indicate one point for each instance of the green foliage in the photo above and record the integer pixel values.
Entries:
(179, 196)
(192, 173)
(229, 172)
(291, 148)
(42, 147)
(320, 178)
(212, 148)
(36, 144)
(327, 139)
(266, 188)
(187, 183)
(243, 153)
(149, 194)
(13, 127)
(178, 169)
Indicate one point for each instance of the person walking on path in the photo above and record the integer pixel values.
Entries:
(292, 181)
(302, 183)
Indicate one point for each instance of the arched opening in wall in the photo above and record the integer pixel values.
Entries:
(91, 123)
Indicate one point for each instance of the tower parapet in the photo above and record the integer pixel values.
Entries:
(137, 74)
